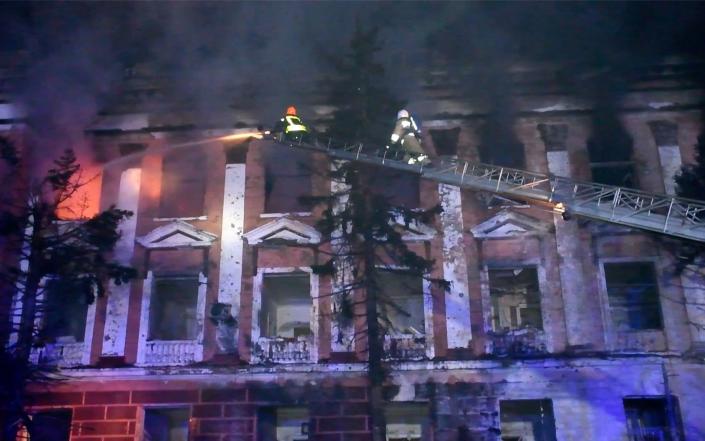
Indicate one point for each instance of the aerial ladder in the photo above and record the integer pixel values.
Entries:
(672, 216)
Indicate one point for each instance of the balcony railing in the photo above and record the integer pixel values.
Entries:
(283, 350)
(511, 342)
(60, 354)
(404, 347)
(176, 352)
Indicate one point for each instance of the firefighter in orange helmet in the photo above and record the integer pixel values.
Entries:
(291, 126)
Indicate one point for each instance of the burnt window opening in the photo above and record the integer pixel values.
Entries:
(65, 310)
(286, 305)
(172, 310)
(653, 419)
(445, 141)
(633, 294)
(236, 154)
(554, 136)
(665, 133)
(401, 303)
(499, 145)
(287, 178)
(166, 424)
(610, 151)
(398, 188)
(516, 299)
(183, 184)
(283, 424)
(527, 420)
(407, 421)
(51, 425)
(131, 148)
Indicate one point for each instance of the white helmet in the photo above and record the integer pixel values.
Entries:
(402, 114)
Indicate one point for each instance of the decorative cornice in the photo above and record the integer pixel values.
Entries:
(177, 234)
(507, 224)
(283, 229)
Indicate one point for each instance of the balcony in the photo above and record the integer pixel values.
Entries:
(172, 353)
(283, 350)
(60, 354)
(516, 342)
(404, 347)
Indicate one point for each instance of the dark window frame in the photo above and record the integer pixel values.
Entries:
(633, 308)
(265, 321)
(536, 301)
(154, 330)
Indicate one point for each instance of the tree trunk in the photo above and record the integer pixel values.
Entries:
(375, 348)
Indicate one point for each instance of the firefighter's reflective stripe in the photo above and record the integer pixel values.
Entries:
(395, 137)
(405, 123)
(293, 124)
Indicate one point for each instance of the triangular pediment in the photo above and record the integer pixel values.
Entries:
(285, 230)
(177, 234)
(509, 224)
(415, 230)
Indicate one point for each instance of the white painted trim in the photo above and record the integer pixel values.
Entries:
(457, 300)
(610, 332)
(233, 227)
(292, 214)
(315, 304)
(177, 234)
(53, 348)
(196, 346)
(118, 301)
(507, 224)
(283, 229)
(170, 219)
(671, 161)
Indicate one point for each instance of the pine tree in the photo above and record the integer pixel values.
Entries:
(365, 106)
(75, 255)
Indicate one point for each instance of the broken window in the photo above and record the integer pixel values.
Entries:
(633, 295)
(499, 144)
(445, 141)
(527, 420)
(397, 187)
(286, 305)
(172, 311)
(183, 184)
(610, 151)
(652, 419)
(516, 299)
(401, 305)
(407, 421)
(282, 424)
(65, 310)
(287, 177)
(51, 425)
(166, 424)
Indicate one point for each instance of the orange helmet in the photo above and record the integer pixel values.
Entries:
(291, 110)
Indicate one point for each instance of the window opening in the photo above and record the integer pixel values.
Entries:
(648, 419)
(183, 184)
(633, 295)
(65, 310)
(166, 424)
(402, 303)
(516, 299)
(287, 178)
(527, 420)
(172, 311)
(286, 305)
(283, 424)
(407, 421)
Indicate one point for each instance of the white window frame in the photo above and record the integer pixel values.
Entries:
(315, 305)
(535, 263)
(427, 313)
(66, 354)
(171, 352)
(610, 330)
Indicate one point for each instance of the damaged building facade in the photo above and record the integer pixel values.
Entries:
(553, 328)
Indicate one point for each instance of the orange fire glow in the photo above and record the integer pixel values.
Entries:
(85, 202)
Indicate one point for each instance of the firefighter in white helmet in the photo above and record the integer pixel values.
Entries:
(407, 137)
